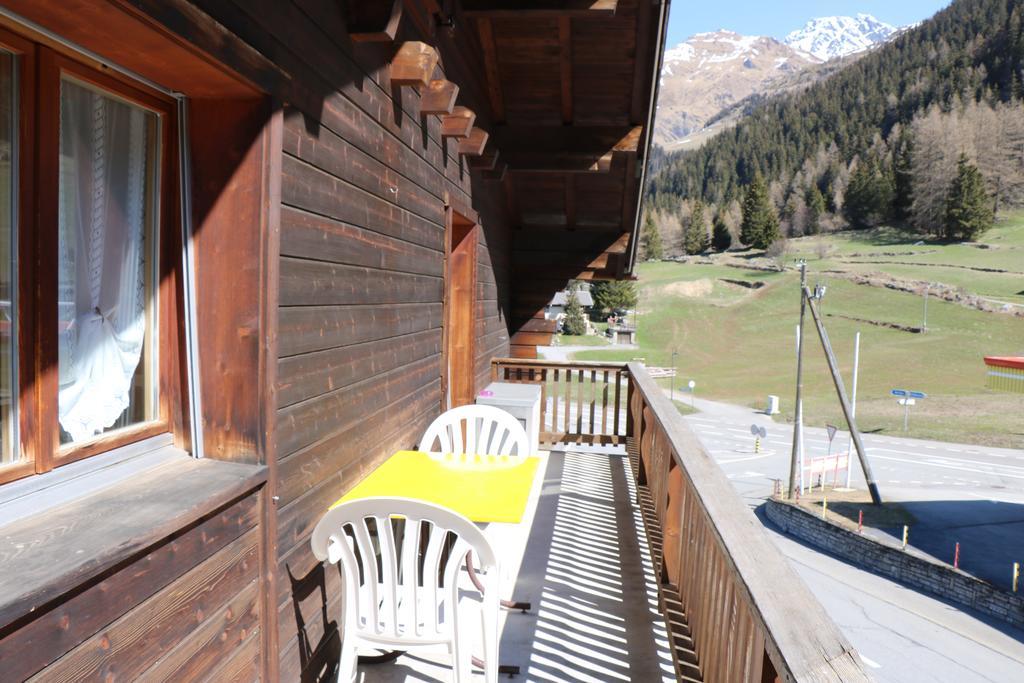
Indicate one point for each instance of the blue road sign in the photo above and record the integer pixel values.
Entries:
(898, 392)
(917, 394)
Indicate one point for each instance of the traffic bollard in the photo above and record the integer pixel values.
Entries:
(860, 521)
(906, 533)
(757, 445)
(824, 506)
(956, 557)
(1016, 575)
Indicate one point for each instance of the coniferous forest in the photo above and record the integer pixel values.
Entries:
(927, 131)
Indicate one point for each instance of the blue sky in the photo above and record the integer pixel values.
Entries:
(766, 18)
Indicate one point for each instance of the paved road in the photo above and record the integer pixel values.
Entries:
(902, 635)
(973, 492)
(959, 493)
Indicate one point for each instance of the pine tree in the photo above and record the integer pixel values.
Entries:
(868, 196)
(903, 177)
(695, 237)
(613, 294)
(815, 210)
(721, 238)
(760, 226)
(968, 206)
(650, 241)
(575, 323)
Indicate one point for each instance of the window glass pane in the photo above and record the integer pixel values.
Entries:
(107, 236)
(8, 291)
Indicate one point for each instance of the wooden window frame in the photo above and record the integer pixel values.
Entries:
(41, 70)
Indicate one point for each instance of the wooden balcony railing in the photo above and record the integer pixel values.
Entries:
(737, 610)
(581, 403)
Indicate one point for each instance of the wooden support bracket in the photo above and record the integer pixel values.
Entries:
(486, 161)
(473, 146)
(498, 173)
(413, 65)
(439, 98)
(458, 124)
(372, 21)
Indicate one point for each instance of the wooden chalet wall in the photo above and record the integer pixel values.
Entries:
(365, 181)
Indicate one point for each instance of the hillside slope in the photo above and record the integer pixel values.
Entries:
(974, 50)
(736, 341)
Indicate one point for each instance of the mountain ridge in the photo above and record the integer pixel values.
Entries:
(705, 78)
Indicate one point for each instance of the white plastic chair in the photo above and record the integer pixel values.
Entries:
(401, 584)
(488, 431)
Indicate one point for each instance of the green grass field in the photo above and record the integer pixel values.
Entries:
(738, 344)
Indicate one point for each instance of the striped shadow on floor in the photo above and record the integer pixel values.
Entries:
(588, 572)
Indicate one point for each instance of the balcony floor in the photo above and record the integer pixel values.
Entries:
(580, 556)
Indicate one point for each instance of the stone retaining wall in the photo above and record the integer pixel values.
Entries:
(903, 566)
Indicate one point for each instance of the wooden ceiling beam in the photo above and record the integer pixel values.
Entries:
(490, 54)
(414, 65)
(458, 124)
(567, 149)
(642, 65)
(519, 9)
(439, 98)
(565, 64)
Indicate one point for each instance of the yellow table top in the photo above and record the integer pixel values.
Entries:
(490, 488)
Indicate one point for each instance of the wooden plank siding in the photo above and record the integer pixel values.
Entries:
(178, 608)
(364, 188)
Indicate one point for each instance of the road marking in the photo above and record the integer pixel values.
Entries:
(941, 463)
(753, 457)
(870, 662)
(988, 467)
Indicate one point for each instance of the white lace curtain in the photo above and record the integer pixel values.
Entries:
(102, 257)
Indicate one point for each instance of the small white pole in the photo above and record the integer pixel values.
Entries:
(800, 446)
(853, 406)
(799, 431)
(924, 322)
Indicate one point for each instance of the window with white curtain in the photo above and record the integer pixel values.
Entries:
(91, 284)
(106, 255)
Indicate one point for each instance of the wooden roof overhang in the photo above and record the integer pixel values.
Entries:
(571, 86)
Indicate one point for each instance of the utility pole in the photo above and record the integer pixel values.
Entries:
(799, 415)
(837, 379)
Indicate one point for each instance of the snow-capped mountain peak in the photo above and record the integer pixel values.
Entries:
(719, 47)
(831, 37)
